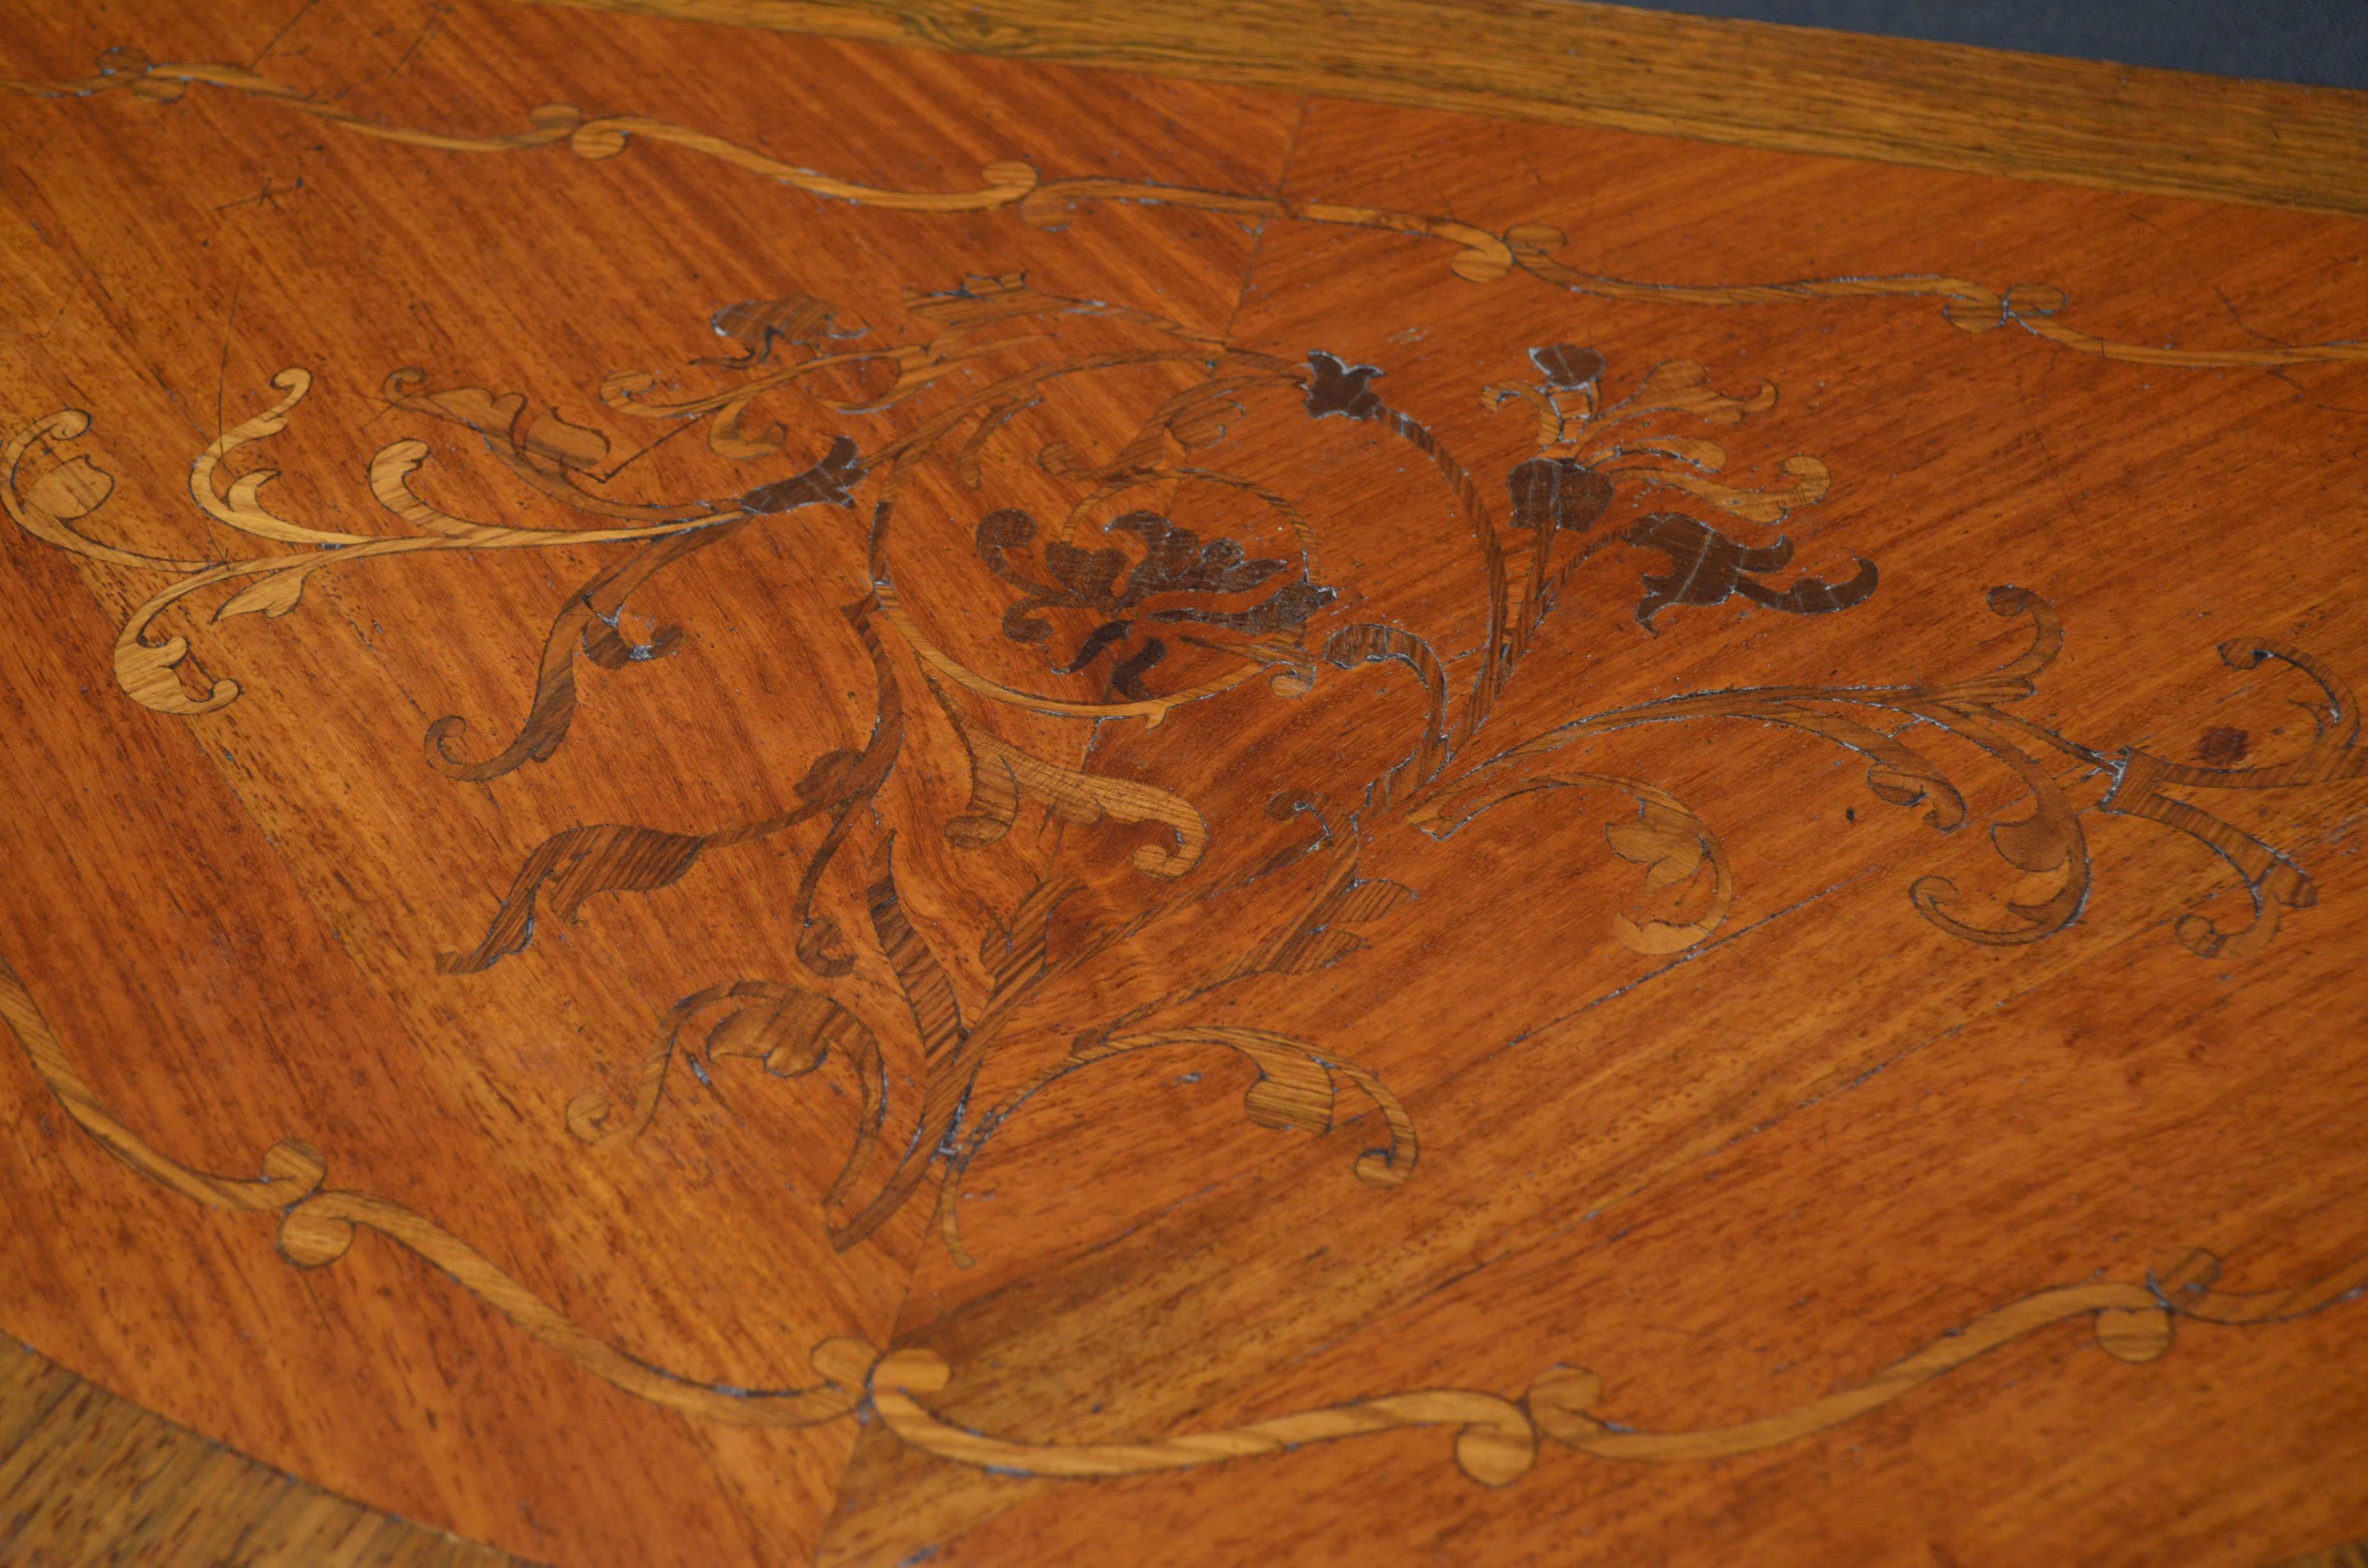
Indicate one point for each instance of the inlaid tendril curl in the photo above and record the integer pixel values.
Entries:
(1481, 256)
(1113, 610)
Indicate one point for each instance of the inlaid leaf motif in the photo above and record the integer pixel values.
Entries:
(273, 596)
(1567, 364)
(1706, 566)
(756, 324)
(1336, 388)
(74, 488)
(1135, 593)
(563, 444)
(1563, 494)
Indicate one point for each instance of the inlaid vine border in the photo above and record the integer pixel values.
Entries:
(1497, 1437)
(1482, 255)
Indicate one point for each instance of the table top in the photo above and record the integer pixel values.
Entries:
(878, 784)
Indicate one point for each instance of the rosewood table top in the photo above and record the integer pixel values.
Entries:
(991, 785)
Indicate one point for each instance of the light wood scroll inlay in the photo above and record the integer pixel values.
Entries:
(1621, 460)
(1482, 256)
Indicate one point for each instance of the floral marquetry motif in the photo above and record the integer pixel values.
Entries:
(994, 847)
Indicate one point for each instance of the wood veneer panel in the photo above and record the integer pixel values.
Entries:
(337, 865)
(1112, 801)
(1753, 84)
(1611, 1078)
(95, 1479)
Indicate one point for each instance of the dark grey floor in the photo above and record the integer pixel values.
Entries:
(2324, 42)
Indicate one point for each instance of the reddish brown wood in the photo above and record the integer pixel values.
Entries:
(1239, 827)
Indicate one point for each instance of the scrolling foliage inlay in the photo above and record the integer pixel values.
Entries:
(1482, 256)
(1618, 463)
(1151, 616)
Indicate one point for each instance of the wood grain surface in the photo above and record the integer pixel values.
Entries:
(785, 800)
(87, 1478)
(1749, 83)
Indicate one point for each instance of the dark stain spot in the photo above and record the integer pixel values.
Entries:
(2224, 746)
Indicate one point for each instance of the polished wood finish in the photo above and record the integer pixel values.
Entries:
(87, 1478)
(92, 1479)
(782, 800)
(2352, 1555)
(1746, 84)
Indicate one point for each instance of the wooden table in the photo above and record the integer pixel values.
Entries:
(1415, 783)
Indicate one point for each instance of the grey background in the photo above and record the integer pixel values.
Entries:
(2323, 42)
